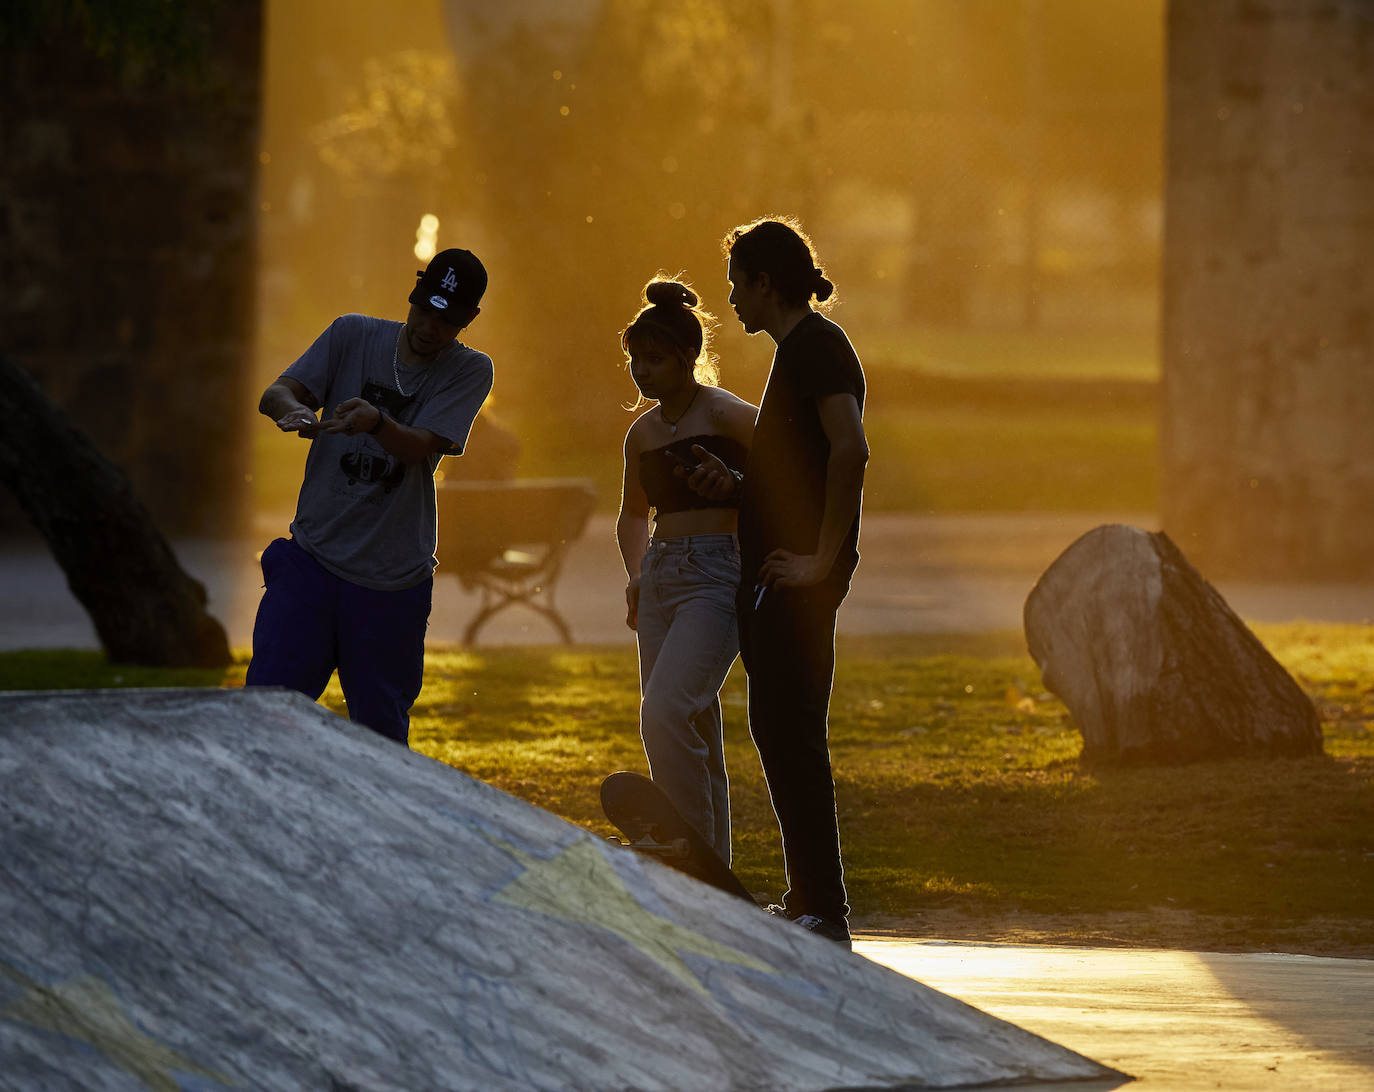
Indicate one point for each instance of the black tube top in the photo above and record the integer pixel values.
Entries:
(669, 493)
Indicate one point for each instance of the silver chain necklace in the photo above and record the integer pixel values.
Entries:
(396, 361)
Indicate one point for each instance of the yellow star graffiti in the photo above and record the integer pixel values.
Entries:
(86, 1009)
(579, 885)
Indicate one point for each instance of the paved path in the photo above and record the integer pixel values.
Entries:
(1177, 1021)
(919, 574)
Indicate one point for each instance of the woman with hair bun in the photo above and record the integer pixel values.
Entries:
(680, 597)
(799, 504)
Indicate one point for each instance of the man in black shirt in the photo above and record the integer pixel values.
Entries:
(799, 499)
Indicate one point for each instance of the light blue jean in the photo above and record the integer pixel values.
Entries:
(687, 641)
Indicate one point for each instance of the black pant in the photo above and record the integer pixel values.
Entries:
(788, 648)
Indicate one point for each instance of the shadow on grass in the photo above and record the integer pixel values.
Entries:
(957, 778)
(1273, 841)
(71, 669)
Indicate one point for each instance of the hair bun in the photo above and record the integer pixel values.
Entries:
(669, 294)
(823, 289)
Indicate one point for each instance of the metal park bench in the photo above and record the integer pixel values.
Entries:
(509, 539)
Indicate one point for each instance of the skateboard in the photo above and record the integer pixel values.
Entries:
(642, 812)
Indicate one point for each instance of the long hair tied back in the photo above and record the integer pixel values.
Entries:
(778, 246)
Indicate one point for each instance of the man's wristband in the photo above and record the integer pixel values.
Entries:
(381, 420)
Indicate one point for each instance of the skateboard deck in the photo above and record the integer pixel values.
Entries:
(642, 812)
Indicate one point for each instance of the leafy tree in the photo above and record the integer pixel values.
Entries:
(141, 40)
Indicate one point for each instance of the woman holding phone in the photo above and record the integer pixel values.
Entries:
(680, 550)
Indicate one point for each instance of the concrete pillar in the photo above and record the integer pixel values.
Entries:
(1268, 298)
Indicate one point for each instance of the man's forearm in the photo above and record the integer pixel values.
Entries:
(410, 445)
(278, 400)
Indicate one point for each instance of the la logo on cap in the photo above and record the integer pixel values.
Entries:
(438, 302)
(450, 280)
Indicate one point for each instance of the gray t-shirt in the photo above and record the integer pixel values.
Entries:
(363, 514)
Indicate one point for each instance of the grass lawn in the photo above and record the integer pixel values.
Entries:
(1128, 351)
(964, 810)
(1005, 455)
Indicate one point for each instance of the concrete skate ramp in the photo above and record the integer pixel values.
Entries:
(238, 889)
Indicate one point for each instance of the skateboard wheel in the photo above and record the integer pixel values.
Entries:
(682, 848)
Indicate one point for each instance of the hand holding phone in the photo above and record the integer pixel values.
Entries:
(711, 477)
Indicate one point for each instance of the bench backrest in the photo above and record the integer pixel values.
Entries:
(479, 521)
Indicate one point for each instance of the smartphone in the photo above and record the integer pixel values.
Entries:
(687, 461)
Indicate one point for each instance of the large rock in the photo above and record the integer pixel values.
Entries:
(1152, 663)
(238, 889)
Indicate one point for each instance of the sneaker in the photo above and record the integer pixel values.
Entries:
(838, 931)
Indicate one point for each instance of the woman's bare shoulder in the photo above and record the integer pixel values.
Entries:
(640, 430)
(732, 415)
(730, 401)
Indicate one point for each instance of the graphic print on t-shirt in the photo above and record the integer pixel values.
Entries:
(368, 463)
(387, 398)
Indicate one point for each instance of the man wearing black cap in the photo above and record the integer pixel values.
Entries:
(350, 589)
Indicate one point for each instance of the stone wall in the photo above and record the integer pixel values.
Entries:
(1268, 308)
(127, 213)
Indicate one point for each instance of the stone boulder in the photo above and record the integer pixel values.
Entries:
(1152, 663)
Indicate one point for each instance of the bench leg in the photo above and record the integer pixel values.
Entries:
(489, 610)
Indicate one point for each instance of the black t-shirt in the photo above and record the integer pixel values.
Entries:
(784, 480)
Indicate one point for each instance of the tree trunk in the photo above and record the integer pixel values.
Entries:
(1152, 663)
(1268, 292)
(146, 609)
